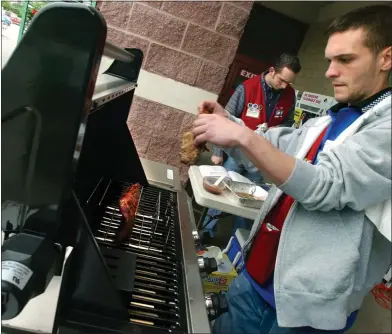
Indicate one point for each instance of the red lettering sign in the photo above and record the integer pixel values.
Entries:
(312, 99)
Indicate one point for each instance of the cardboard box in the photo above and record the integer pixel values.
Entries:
(221, 279)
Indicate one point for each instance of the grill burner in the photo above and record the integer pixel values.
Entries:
(157, 294)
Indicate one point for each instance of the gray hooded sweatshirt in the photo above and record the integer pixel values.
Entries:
(330, 254)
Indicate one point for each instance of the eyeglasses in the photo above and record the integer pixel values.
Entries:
(283, 81)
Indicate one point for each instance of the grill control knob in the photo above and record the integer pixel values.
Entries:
(200, 262)
(216, 305)
(207, 265)
(201, 237)
(196, 236)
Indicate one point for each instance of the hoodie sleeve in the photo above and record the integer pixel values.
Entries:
(356, 173)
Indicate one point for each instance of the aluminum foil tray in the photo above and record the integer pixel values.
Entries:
(246, 194)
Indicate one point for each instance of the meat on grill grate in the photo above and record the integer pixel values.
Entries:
(128, 206)
(156, 297)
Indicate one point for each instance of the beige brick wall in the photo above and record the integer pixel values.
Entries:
(187, 41)
(191, 42)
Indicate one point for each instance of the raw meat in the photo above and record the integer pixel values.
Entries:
(189, 152)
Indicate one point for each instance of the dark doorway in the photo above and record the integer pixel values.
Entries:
(267, 34)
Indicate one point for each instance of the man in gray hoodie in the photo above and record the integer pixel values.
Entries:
(316, 248)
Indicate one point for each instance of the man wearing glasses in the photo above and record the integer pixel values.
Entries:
(264, 101)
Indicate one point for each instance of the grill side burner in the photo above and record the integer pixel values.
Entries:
(157, 297)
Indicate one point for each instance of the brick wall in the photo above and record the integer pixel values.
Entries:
(192, 43)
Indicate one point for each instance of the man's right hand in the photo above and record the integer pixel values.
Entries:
(217, 160)
(212, 107)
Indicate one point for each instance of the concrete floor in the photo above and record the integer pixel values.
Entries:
(372, 318)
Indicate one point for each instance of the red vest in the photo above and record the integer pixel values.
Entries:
(260, 262)
(254, 99)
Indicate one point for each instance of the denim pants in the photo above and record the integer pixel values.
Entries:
(240, 222)
(249, 313)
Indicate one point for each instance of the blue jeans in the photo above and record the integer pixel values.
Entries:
(249, 313)
(240, 222)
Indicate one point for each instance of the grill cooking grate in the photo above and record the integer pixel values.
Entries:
(155, 299)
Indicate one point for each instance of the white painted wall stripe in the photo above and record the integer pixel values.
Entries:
(171, 93)
(166, 91)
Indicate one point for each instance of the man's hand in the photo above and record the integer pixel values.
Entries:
(217, 160)
(212, 107)
(217, 130)
(274, 164)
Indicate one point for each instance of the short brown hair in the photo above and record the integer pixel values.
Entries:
(289, 61)
(376, 20)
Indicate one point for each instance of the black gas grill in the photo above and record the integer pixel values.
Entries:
(67, 156)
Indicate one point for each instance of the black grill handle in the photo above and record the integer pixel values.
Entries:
(113, 51)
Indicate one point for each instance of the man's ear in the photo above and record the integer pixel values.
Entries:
(385, 59)
(271, 70)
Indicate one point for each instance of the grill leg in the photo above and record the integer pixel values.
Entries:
(202, 217)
